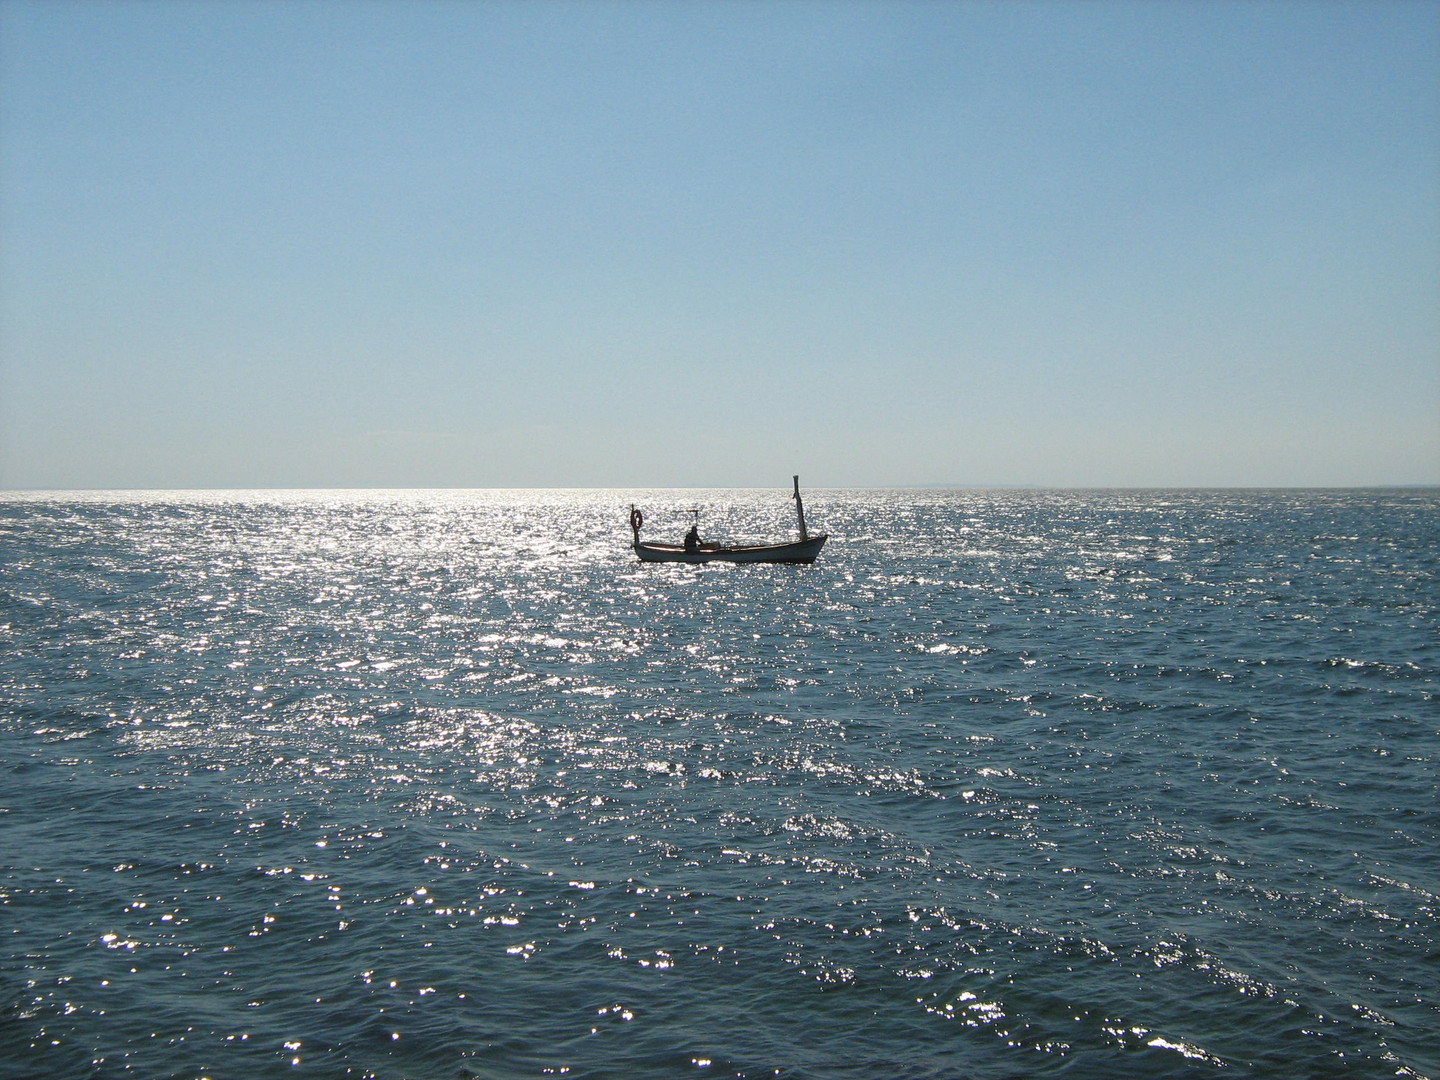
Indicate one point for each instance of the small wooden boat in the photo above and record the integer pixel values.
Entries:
(694, 550)
(800, 551)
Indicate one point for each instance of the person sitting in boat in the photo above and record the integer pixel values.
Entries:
(692, 539)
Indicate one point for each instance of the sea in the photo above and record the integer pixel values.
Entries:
(447, 784)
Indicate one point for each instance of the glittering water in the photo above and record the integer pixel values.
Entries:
(445, 784)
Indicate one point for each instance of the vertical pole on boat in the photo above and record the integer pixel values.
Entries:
(800, 510)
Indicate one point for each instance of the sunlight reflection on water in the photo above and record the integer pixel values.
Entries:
(412, 782)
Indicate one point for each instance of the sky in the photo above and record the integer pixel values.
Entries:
(376, 243)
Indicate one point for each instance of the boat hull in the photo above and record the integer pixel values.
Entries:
(800, 551)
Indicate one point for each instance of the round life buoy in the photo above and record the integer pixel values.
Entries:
(636, 519)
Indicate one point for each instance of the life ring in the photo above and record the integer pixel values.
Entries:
(636, 519)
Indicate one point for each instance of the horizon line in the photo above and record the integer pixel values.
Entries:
(917, 486)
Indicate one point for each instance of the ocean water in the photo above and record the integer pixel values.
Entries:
(446, 784)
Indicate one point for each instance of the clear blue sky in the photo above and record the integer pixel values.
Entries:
(457, 243)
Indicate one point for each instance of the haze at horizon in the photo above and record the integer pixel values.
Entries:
(708, 245)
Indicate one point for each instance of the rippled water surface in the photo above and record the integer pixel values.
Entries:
(446, 784)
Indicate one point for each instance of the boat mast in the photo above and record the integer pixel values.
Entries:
(800, 510)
